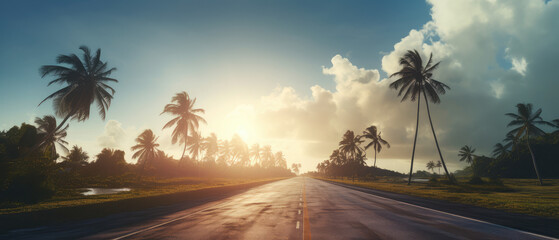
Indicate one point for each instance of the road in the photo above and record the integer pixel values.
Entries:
(300, 208)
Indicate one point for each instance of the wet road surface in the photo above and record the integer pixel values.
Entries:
(302, 208)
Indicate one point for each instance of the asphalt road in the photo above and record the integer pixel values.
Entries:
(296, 208)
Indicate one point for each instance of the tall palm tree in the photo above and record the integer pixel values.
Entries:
(53, 137)
(280, 160)
(85, 81)
(187, 118)
(254, 153)
(239, 151)
(376, 141)
(526, 120)
(414, 79)
(439, 165)
(349, 145)
(225, 151)
(267, 157)
(500, 150)
(195, 142)
(146, 149)
(467, 153)
(211, 146)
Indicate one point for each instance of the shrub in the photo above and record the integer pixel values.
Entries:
(476, 180)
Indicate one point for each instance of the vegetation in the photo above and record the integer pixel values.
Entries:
(414, 79)
(512, 195)
(467, 154)
(376, 141)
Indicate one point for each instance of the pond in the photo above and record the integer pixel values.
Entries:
(101, 191)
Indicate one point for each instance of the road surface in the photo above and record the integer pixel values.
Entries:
(297, 208)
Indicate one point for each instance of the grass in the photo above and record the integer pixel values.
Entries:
(514, 195)
(71, 197)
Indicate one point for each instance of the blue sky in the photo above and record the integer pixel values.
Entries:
(233, 55)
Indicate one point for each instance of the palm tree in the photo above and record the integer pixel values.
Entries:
(500, 150)
(146, 149)
(414, 79)
(187, 118)
(526, 120)
(76, 157)
(225, 151)
(86, 81)
(195, 142)
(376, 141)
(239, 151)
(267, 157)
(349, 145)
(210, 145)
(46, 126)
(439, 165)
(280, 160)
(254, 152)
(467, 153)
(431, 166)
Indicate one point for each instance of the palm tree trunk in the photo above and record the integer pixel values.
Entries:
(435, 136)
(415, 138)
(534, 162)
(183, 151)
(375, 165)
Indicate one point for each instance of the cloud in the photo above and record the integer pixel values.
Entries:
(493, 55)
(113, 135)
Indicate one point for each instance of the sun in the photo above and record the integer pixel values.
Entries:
(243, 133)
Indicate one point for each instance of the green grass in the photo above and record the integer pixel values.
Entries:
(71, 197)
(515, 195)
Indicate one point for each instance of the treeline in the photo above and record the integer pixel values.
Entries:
(349, 159)
(527, 151)
(29, 170)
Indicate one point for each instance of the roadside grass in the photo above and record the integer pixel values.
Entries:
(140, 188)
(514, 195)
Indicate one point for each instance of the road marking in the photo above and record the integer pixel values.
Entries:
(299, 211)
(306, 224)
(471, 219)
(300, 199)
(297, 227)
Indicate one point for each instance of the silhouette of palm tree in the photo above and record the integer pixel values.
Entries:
(414, 79)
(195, 142)
(187, 118)
(280, 160)
(239, 151)
(225, 151)
(86, 82)
(267, 157)
(210, 145)
(146, 149)
(76, 157)
(376, 141)
(526, 120)
(46, 126)
(500, 150)
(349, 146)
(254, 152)
(467, 153)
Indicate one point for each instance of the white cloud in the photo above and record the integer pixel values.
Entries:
(113, 135)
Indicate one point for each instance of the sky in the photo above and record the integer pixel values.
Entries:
(292, 74)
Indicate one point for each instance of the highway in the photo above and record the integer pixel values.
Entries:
(300, 208)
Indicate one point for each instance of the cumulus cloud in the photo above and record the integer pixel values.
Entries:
(494, 54)
(113, 135)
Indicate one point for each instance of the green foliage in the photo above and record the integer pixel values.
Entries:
(108, 163)
(476, 180)
(25, 176)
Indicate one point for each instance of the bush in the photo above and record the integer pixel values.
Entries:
(433, 179)
(495, 181)
(476, 180)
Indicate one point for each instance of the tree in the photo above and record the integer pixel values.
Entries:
(295, 167)
(555, 123)
(224, 152)
(109, 162)
(77, 157)
(86, 81)
(146, 149)
(52, 137)
(439, 165)
(187, 118)
(414, 79)
(195, 142)
(467, 153)
(267, 157)
(211, 146)
(254, 152)
(349, 146)
(500, 150)
(431, 166)
(239, 151)
(280, 160)
(526, 120)
(376, 141)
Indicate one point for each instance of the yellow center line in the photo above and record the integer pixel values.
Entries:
(306, 224)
